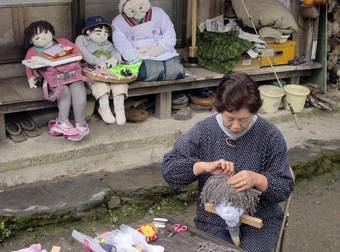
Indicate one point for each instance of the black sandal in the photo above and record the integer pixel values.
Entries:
(27, 124)
(14, 131)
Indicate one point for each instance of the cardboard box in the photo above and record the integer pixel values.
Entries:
(279, 54)
(245, 63)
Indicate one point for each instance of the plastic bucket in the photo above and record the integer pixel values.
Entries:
(296, 95)
(271, 97)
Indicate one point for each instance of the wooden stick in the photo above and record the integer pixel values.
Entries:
(245, 219)
(193, 48)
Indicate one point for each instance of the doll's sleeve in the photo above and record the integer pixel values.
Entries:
(123, 45)
(168, 40)
(30, 53)
(87, 56)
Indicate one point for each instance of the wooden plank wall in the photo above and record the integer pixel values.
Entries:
(206, 9)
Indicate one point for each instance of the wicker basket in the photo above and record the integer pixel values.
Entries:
(98, 76)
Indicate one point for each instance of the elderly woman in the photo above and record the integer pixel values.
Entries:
(242, 145)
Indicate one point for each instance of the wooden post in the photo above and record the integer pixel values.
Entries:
(193, 48)
(309, 40)
(2, 128)
(163, 105)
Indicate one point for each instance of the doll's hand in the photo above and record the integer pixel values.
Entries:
(154, 51)
(32, 82)
(102, 62)
(141, 52)
(245, 180)
(111, 62)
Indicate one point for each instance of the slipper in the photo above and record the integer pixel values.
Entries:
(27, 124)
(25, 121)
(14, 130)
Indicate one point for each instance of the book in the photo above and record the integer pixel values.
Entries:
(40, 61)
(58, 51)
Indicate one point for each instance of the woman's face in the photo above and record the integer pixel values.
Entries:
(42, 39)
(237, 121)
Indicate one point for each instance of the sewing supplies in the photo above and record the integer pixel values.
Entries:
(160, 222)
(177, 229)
(150, 231)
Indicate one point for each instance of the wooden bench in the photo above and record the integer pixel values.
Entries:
(16, 96)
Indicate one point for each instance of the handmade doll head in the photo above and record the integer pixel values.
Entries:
(39, 34)
(98, 29)
(229, 203)
(135, 9)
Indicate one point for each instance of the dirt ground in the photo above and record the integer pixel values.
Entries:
(314, 223)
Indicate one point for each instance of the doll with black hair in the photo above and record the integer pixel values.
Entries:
(71, 91)
(98, 51)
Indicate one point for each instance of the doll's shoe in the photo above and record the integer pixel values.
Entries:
(83, 131)
(120, 116)
(65, 128)
(50, 126)
(106, 115)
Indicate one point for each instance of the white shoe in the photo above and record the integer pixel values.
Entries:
(107, 115)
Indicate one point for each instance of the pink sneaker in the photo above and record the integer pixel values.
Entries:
(83, 131)
(65, 128)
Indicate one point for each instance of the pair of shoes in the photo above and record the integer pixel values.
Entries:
(14, 131)
(19, 126)
(83, 132)
(62, 129)
(27, 124)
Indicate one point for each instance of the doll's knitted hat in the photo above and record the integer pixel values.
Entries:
(123, 2)
(94, 21)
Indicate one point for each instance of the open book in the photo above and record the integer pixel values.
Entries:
(40, 61)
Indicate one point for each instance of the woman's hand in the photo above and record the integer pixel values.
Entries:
(245, 180)
(217, 167)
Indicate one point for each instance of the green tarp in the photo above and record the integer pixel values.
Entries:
(220, 51)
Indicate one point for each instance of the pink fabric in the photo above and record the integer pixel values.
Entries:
(31, 52)
(50, 73)
(33, 248)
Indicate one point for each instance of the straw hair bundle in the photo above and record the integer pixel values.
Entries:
(216, 190)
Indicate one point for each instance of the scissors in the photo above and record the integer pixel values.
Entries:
(177, 229)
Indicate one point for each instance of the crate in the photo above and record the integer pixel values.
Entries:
(245, 62)
(279, 54)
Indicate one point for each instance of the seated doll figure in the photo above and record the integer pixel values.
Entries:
(145, 32)
(71, 92)
(97, 50)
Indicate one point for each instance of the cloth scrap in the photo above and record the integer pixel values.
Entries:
(32, 248)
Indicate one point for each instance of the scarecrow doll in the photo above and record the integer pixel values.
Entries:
(145, 33)
(98, 51)
(65, 81)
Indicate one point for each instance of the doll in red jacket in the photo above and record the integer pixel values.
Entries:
(65, 81)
